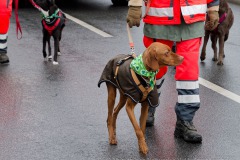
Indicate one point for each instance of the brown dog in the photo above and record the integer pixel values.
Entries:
(117, 74)
(221, 33)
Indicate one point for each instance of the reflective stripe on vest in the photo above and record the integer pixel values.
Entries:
(164, 12)
(160, 12)
(186, 10)
(193, 10)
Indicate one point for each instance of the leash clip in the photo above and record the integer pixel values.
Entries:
(131, 44)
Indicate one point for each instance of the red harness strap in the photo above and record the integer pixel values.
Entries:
(50, 29)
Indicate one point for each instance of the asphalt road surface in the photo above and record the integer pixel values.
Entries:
(52, 112)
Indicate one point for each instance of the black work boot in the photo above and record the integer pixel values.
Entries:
(150, 118)
(4, 58)
(187, 131)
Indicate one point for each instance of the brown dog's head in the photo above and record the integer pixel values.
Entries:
(158, 55)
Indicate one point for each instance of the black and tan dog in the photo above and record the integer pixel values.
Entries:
(134, 88)
(220, 34)
(53, 23)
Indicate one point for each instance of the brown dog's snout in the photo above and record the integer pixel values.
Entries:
(181, 58)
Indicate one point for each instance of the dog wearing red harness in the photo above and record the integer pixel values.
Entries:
(53, 23)
(221, 33)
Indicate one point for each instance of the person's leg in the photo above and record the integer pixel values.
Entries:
(5, 14)
(187, 86)
(159, 77)
(3, 49)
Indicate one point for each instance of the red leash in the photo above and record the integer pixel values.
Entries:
(35, 5)
(18, 26)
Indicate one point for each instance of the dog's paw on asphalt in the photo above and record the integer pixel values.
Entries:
(55, 63)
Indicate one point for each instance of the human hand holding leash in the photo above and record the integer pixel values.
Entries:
(213, 16)
(134, 16)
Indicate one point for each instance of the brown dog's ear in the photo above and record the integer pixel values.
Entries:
(150, 58)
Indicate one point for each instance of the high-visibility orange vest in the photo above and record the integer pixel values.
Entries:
(168, 12)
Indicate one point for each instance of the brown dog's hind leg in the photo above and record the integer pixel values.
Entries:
(44, 40)
(221, 51)
(111, 101)
(120, 105)
(205, 41)
(49, 49)
(140, 136)
(214, 47)
(143, 116)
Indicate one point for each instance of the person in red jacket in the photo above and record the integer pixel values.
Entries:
(182, 22)
(5, 15)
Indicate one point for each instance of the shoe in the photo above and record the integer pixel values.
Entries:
(187, 131)
(150, 118)
(4, 58)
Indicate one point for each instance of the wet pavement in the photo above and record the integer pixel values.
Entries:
(58, 112)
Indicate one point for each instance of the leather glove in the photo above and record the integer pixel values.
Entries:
(212, 20)
(134, 16)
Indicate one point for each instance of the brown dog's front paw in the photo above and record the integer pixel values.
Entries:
(214, 59)
(143, 147)
(202, 58)
(113, 141)
(220, 63)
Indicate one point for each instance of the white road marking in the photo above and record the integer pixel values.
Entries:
(202, 81)
(88, 26)
(219, 90)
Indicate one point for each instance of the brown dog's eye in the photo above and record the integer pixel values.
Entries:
(167, 53)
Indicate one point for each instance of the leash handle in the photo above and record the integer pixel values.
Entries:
(131, 44)
(18, 26)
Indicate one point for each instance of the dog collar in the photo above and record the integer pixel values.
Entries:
(138, 67)
(223, 17)
(54, 15)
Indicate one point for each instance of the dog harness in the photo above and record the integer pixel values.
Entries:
(138, 67)
(50, 23)
(118, 73)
